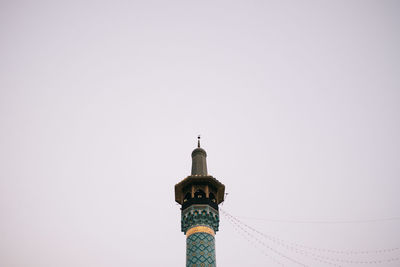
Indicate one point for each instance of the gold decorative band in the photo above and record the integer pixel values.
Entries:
(200, 229)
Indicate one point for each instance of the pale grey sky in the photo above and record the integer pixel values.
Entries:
(298, 103)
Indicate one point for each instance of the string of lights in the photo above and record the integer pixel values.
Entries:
(315, 256)
(324, 222)
(346, 252)
(281, 254)
(256, 246)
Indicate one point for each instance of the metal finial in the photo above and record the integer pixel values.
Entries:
(198, 141)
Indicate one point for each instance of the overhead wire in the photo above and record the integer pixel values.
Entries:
(256, 246)
(324, 222)
(307, 253)
(348, 252)
(279, 253)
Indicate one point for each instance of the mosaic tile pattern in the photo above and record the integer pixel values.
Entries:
(200, 250)
(200, 246)
(199, 215)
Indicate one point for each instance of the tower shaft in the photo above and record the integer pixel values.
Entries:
(200, 250)
(199, 194)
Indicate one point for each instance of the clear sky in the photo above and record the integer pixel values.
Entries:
(298, 103)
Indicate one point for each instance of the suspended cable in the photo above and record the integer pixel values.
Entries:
(293, 249)
(256, 246)
(315, 256)
(268, 247)
(347, 252)
(324, 222)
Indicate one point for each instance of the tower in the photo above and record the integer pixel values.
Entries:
(199, 194)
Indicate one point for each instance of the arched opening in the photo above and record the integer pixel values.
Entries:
(212, 198)
(187, 197)
(199, 194)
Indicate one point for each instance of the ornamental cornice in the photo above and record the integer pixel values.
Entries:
(198, 216)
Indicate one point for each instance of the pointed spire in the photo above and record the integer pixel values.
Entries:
(199, 163)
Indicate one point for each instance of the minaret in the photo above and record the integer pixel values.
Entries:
(199, 194)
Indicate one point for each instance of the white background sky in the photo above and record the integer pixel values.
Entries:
(101, 103)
